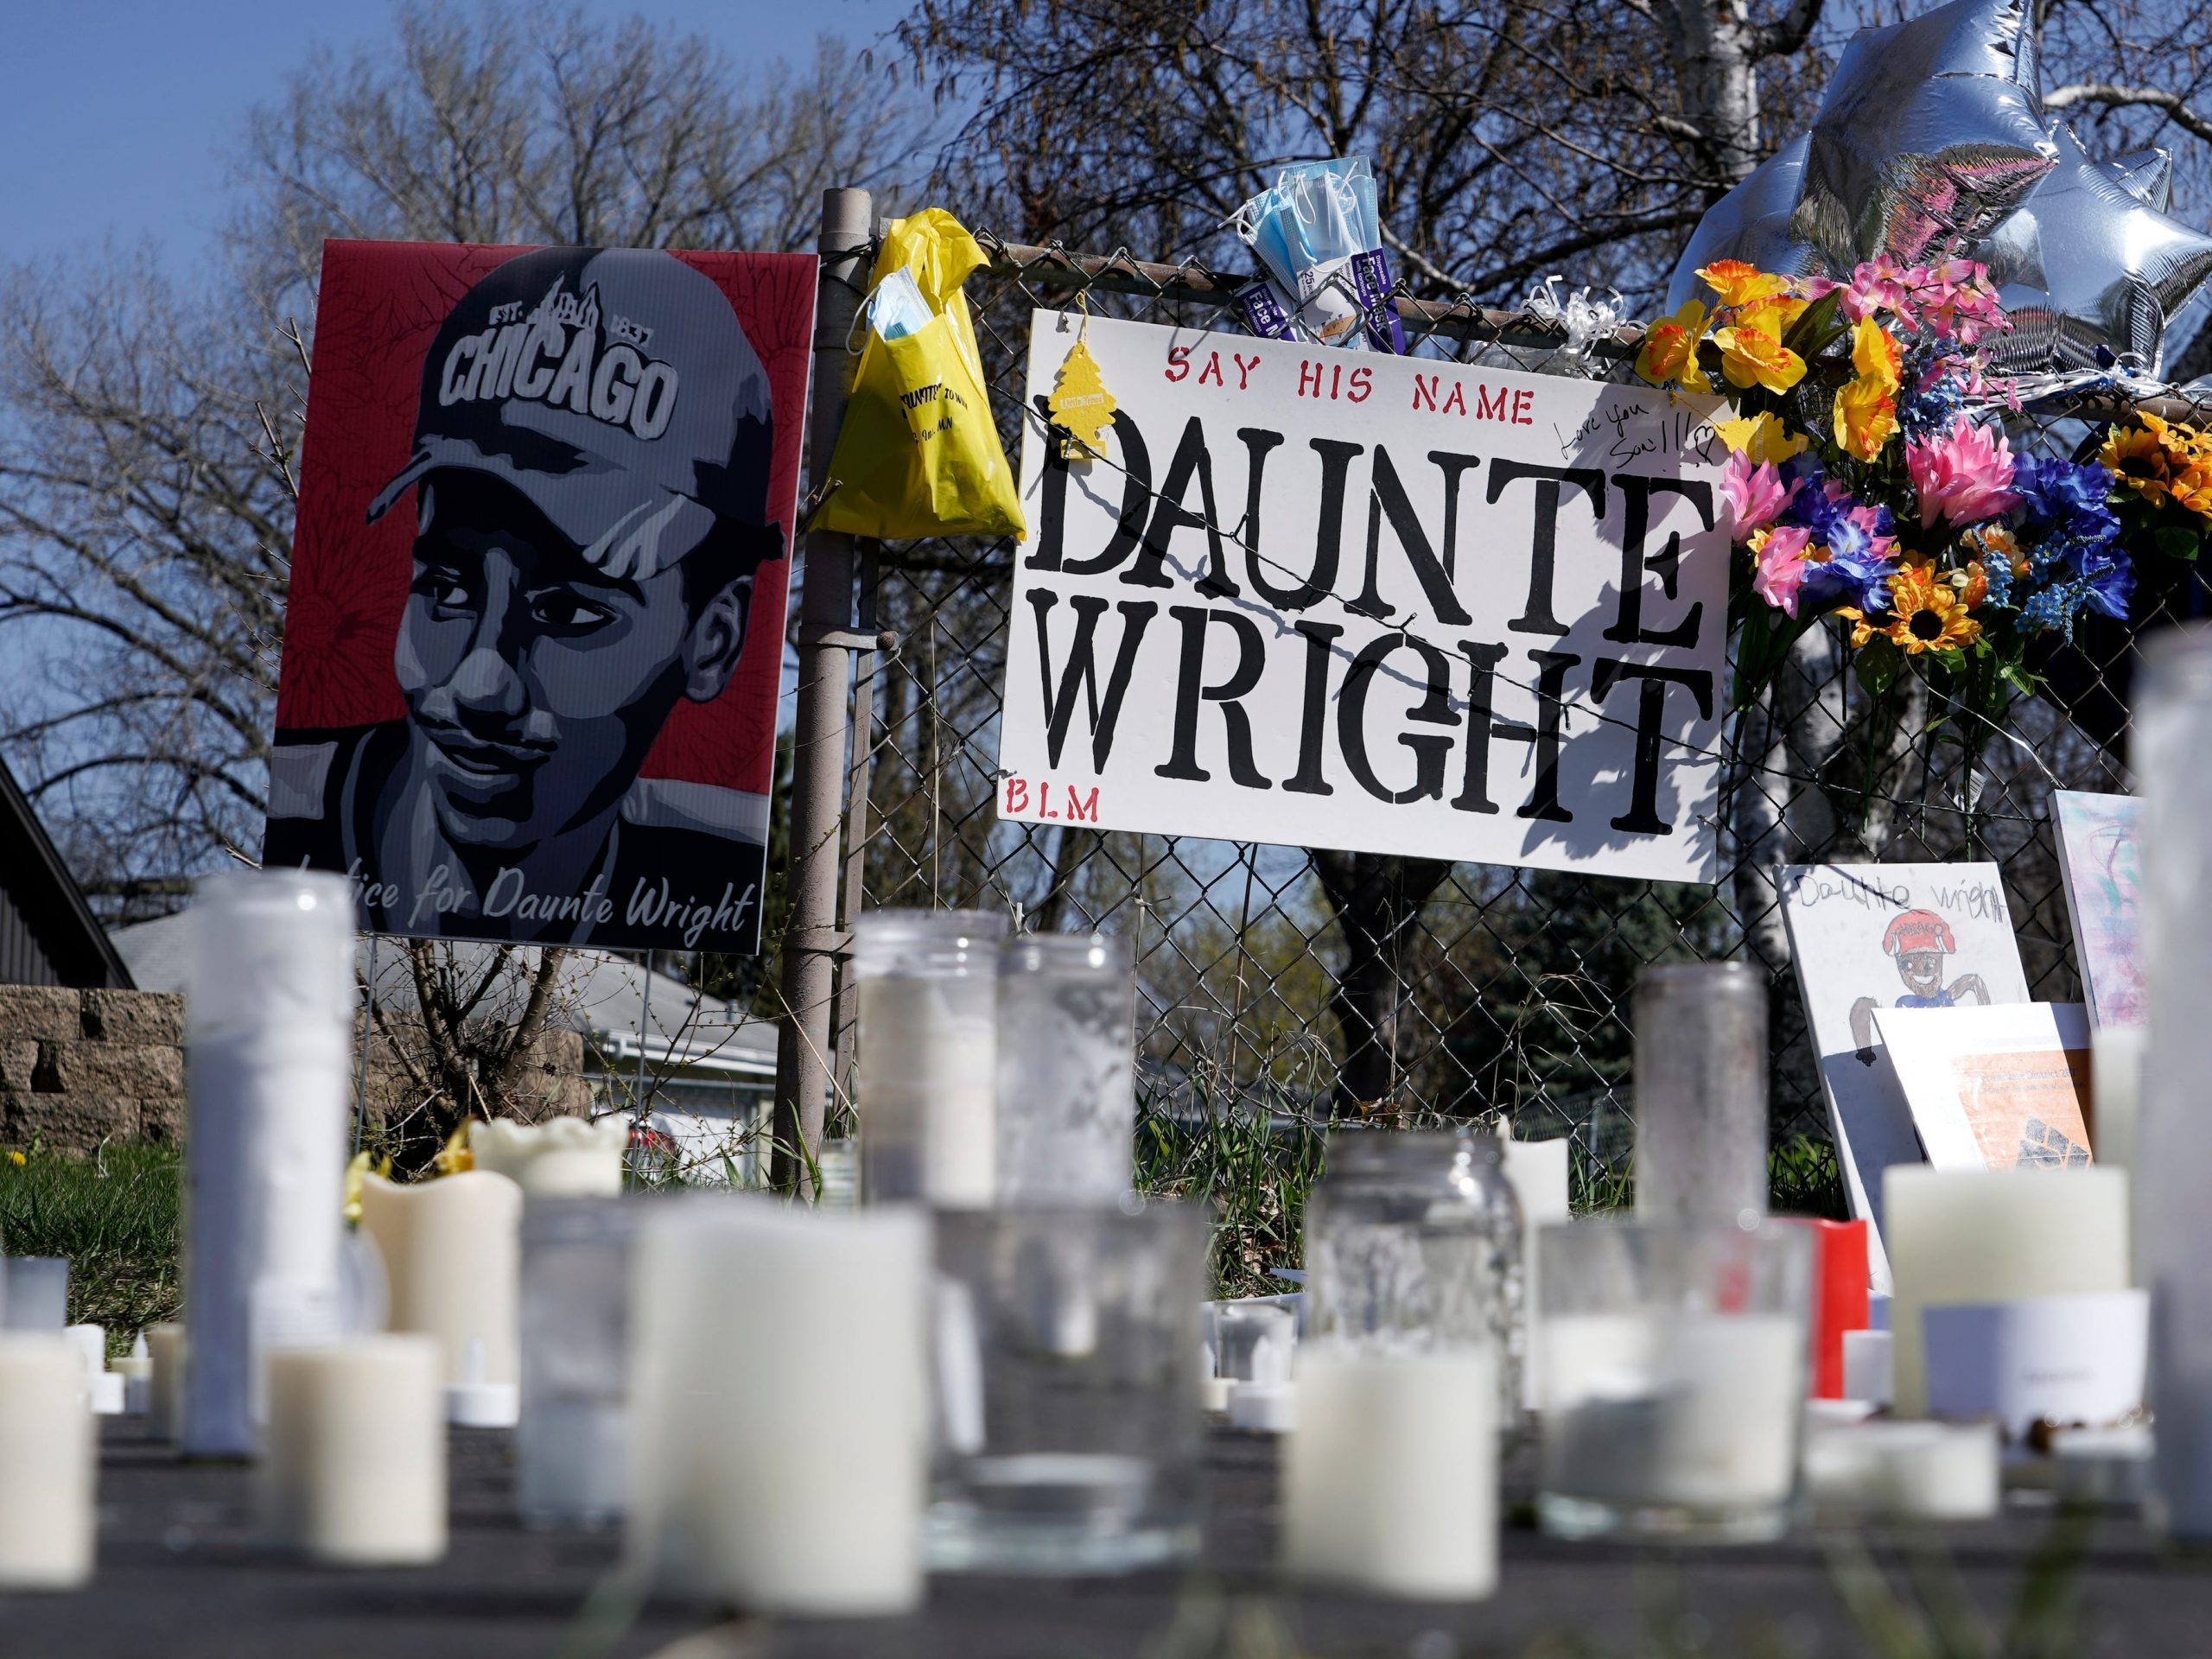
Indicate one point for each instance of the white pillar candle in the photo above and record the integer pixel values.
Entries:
(136, 1370)
(37, 1296)
(1695, 1410)
(1869, 1367)
(565, 1158)
(165, 1379)
(745, 1314)
(928, 1089)
(1905, 1470)
(48, 1464)
(269, 1058)
(1994, 1236)
(452, 1253)
(1538, 1171)
(928, 1055)
(353, 1469)
(1391, 1477)
(2173, 757)
(103, 1388)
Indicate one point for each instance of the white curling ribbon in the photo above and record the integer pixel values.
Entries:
(1585, 320)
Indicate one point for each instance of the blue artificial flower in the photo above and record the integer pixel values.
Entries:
(2062, 500)
(2108, 582)
(1932, 397)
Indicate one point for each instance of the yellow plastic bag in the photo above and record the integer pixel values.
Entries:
(918, 454)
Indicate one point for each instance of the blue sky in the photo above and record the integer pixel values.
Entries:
(115, 116)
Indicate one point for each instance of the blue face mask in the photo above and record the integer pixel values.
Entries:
(1316, 213)
(897, 308)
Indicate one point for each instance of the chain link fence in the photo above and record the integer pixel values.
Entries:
(1295, 987)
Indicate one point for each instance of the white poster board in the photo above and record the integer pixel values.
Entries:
(2004, 1087)
(2100, 854)
(1868, 937)
(1336, 599)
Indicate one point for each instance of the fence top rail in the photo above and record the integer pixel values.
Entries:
(1121, 272)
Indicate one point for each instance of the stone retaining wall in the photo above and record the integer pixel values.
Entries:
(78, 1068)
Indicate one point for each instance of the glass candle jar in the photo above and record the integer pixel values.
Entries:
(2173, 759)
(1413, 1235)
(572, 1446)
(1700, 1092)
(1066, 1353)
(1673, 1359)
(928, 1050)
(1066, 1068)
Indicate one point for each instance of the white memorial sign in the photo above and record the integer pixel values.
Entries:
(1337, 599)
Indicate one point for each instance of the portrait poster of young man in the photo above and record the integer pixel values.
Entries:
(534, 634)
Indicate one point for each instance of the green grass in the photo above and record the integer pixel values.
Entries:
(115, 1216)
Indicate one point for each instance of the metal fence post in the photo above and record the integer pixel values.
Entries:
(826, 640)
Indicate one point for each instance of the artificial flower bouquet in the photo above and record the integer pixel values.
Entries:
(1871, 481)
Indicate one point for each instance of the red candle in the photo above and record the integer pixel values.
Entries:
(1838, 1298)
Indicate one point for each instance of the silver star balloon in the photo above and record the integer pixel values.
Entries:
(1751, 223)
(2088, 262)
(1930, 142)
(1926, 138)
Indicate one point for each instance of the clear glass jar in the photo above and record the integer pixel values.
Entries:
(1066, 1070)
(1414, 1239)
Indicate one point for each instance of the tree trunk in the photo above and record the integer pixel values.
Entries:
(1377, 899)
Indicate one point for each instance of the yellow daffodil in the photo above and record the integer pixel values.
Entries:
(456, 1155)
(17, 1158)
(1752, 354)
(1669, 350)
(1775, 313)
(1929, 614)
(1875, 355)
(1762, 439)
(1866, 418)
(1738, 283)
(1866, 408)
(356, 1171)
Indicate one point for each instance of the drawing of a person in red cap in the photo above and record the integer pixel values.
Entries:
(1919, 940)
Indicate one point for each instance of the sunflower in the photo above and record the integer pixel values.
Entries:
(1927, 613)
(2141, 459)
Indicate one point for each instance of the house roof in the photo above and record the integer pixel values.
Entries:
(603, 998)
(48, 935)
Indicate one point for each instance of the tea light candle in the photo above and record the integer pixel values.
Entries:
(746, 1316)
(1994, 1236)
(1538, 1170)
(353, 1469)
(1905, 1470)
(165, 1379)
(48, 1464)
(565, 1158)
(1391, 1476)
(452, 1254)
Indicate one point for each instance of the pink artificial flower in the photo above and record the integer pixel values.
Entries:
(1755, 495)
(1964, 475)
(1877, 285)
(1781, 572)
